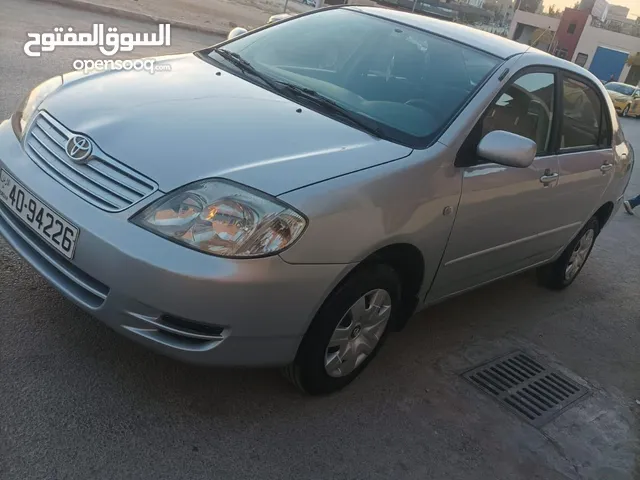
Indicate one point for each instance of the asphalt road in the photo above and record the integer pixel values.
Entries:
(78, 401)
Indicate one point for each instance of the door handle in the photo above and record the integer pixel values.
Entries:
(548, 178)
(606, 167)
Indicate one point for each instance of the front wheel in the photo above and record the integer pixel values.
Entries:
(347, 331)
(625, 112)
(561, 273)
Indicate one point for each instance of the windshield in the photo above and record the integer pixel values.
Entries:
(620, 88)
(409, 83)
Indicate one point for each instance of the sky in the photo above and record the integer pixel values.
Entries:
(634, 5)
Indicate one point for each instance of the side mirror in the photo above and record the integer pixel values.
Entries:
(236, 32)
(507, 149)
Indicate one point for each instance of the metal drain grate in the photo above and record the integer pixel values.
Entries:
(534, 392)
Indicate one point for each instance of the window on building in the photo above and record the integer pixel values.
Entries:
(583, 122)
(581, 59)
(561, 52)
(525, 108)
(571, 29)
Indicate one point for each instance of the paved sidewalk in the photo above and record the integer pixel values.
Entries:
(217, 16)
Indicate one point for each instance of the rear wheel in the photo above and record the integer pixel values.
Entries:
(347, 332)
(561, 273)
(625, 112)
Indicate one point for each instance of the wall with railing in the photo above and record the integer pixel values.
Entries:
(627, 27)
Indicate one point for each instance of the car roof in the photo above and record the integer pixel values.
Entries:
(490, 43)
(620, 83)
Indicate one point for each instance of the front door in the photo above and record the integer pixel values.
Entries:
(507, 218)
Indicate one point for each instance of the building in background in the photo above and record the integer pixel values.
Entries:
(528, 5)
(618, 20)
(533, 29)
(597, 8)
(583, 39)
(617, 12)
(502, 10)
(569, 32)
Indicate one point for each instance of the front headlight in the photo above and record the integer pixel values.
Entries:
(30, 104)
(223, 218)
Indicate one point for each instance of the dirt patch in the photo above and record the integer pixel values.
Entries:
(214, 14)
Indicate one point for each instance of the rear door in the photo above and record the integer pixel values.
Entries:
(585, 155)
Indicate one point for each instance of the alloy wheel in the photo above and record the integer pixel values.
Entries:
(579, 254)
(358, 333)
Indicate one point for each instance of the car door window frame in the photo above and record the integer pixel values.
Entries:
(467, 153)
(604, 117)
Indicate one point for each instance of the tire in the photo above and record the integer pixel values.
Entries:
(625, 111)
(308, 371)
(557, 275)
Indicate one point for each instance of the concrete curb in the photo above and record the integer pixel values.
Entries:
(142, 17)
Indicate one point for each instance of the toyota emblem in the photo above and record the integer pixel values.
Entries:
(79, 148)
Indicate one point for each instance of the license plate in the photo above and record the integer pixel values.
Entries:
(52, 228)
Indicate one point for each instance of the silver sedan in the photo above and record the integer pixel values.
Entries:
(292, 195)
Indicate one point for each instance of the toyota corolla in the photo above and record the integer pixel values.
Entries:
(289, 197)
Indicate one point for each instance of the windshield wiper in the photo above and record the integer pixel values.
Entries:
(245, 66)
(306, 93)
(329, 105)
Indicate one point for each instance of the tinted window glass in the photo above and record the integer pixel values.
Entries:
(408, 82)
(581, 117)
(620, 88)
(525, 108)
(322, 49)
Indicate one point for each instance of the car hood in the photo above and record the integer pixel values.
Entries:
(197, 121)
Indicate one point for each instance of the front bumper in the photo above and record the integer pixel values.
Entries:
(619, 105)
(258, 309)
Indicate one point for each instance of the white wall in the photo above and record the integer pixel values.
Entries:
(593, 37)
(533, 19)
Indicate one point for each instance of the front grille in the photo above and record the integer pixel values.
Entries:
(102, 181)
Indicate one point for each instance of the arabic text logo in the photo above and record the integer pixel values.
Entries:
(79, 148)
(108, 40)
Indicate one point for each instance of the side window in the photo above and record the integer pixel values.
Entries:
(525, 108)
(583, 117)
(581, 59)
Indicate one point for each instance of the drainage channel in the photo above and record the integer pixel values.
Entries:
(534, 392)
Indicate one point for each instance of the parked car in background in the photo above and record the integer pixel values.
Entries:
(291, 196)
(626, 98)
(278, 17)
(237, 31)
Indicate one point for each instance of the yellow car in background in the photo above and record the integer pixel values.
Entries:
(626, 98)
